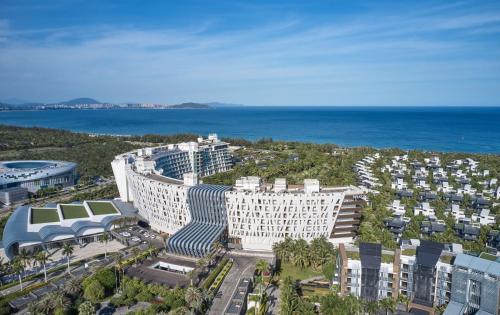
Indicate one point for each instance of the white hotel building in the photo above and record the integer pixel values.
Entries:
(162, 183)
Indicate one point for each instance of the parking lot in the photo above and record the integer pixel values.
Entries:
(134, 235)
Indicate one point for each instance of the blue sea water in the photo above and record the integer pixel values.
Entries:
(464, 129)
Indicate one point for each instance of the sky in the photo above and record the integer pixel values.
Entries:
(395, 53)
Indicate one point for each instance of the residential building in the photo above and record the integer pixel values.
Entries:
(475, 287)
(424, 209)
(423, 274)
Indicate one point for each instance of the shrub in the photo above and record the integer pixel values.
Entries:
(86, 308)
(107, 279)
(94, 291)
(211, 278)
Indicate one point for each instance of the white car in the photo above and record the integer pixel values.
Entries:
(126, 234)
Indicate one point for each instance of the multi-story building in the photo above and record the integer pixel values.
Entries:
(423, 275)
(260, 215)
(251, 215)
(475, 287)
(366, 272)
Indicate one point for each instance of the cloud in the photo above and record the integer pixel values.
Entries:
(281, 62)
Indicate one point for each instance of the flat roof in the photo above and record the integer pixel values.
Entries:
(74, 211)
(43, 215)
(165, 179)
(479, 264)
(102, 207)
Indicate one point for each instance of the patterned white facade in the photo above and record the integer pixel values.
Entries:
(163, 204)
(260, 219)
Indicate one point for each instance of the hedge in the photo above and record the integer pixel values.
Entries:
(220, 277)
(212, 276)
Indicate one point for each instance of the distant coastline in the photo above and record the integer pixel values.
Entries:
(92, 104)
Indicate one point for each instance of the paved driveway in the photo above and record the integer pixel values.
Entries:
(243, 267)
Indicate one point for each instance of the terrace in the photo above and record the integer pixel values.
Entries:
(102, 207)
(43, 215)
(73, 212)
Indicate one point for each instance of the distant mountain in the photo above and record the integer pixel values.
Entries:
(190, 105)
(90, 103)
(221, 105)
(15, 101)
(79, 101)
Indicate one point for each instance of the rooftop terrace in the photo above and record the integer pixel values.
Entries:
(74, 211)
(43, 215)
(102, 207)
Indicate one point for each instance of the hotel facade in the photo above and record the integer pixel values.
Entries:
(163, 185)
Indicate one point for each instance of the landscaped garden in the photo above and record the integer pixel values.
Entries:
(102, 207)
(73, 211)
(44, 215)
(297, 273)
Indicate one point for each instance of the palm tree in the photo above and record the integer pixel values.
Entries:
(388, 304)
(202, 263)
(41, 258)
(372, 307)
(73, 287)
(59, 300)
(25, 257)
(191, 275)
(262, 266)
(18, 268)
(403, 299)
(117, 257)
(353, 304)
(67, 251)
(194, 298)
(300, 256)
(135, 252)
(217, 246)
(105, 238)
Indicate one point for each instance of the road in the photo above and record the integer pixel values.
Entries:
(243, 267)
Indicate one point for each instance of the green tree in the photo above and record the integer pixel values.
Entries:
(262, 266)
(67, 251)
(289, 297)
(86, 308)
(93, 291)
(388, 304)
(41, 258)
(194, 298)
(18, 268)
(105, 238)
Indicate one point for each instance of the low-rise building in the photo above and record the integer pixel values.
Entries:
(424, 209)
(484, 217)
(475, 287)
(13, 195)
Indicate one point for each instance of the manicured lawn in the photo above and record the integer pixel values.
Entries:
(102, 207)
(74, 211)
(44, 215)
(488, 256)
(311, 291)
(297, 273)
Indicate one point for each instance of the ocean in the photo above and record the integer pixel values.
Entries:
(461, 129)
